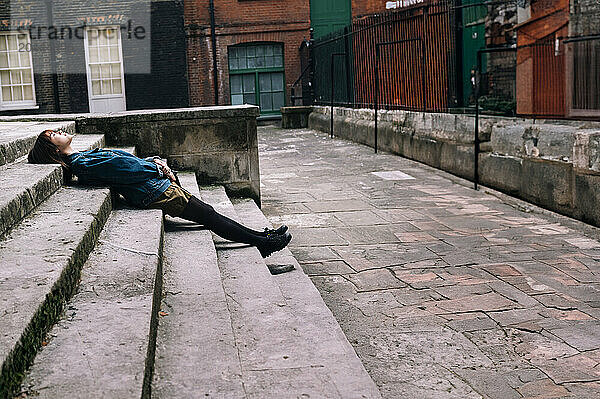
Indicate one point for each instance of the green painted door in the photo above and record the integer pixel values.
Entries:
(328, 16)
(473, 38)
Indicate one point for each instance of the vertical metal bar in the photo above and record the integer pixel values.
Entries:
(213, 38)
(375, 103)
(347, 63)
(476, 151)
(332, 79)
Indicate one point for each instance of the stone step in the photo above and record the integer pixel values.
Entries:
(40, 263)
(278, 355)
(312, 320)
(25, 185)
(195, 354)
(103, 346)
(17, 138)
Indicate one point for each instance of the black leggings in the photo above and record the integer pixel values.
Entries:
(204, 214)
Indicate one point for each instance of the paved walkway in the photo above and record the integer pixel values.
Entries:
(444, 292)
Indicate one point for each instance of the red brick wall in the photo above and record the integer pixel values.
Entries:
(237, 22)
(364, 7)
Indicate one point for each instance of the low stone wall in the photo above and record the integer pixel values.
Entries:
(294, 117)
(218, 143)
(553, 164)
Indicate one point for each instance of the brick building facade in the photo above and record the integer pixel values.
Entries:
(257, 57)
(64, 56)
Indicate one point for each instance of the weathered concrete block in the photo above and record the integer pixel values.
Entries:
(587, 197)
(295, 117)
(457, 159)
(548, 183)
(501, 171)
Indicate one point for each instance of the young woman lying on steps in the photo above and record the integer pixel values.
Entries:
(148, 184)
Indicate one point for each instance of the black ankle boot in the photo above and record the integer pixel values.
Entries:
(273, 243)
(278, 231)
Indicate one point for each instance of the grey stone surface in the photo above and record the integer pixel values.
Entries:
(40, 263)
(536, 160)
(17, 138)
(295, 117)
(104, 344)
(482, 296)
(287, 347)
(196, 354)
(27, 185)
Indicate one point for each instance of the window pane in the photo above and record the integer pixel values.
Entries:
(114, 53)
(278, 100)
(22, 40)
(13, 59)
(252, 62)
(260, 51)
(241, 52)
(15, 77)
(17, 93)
(277, 79)
(264, 81)
(95, 87)
(249, 83)
(233, 52)
(93, 54)
(236, 84)
(115, 70)
(3, 60)
(269, 50)
(105, 71)
(28, 92)
(106, 89)
(116, 84)
(269, 61)
(260, 62)
(95, 71)
(266, 104)
(102, 39)
(2, 42)
(26, 75)
(4, 77)
(24, 58)
(103, 54)
(250, 51)
(278, 49)
(111, 36)
(6, 94)
(233, 63)
(249, 99)
(278, 61)
(237, 99)
(12, 42)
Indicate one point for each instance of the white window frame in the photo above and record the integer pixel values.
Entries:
(23, 104)
(91, 95)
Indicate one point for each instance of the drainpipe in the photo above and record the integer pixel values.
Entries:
(213, 37)
(53, 58)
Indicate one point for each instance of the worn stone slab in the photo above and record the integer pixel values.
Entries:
(25, 185)
(104, 344)
(17, 138)
(196, 353)
(340, 369)
(40, 262)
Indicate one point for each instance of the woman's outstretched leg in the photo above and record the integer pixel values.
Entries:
(203, 213)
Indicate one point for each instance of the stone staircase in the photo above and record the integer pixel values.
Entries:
(101, 300)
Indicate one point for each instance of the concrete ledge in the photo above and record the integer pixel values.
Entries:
(104, 345)
(40, 266)
(295, 117)
(533, 160)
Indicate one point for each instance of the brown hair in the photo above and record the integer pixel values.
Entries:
(44, 151)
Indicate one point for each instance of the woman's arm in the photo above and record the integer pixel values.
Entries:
(111, 167)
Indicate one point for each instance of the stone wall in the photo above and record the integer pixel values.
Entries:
(553, 164)
(218, 143)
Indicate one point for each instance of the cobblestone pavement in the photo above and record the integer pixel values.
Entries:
(443, 291)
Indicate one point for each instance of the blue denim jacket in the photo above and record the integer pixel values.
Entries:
(141, 182)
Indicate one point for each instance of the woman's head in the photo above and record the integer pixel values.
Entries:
(49, 147)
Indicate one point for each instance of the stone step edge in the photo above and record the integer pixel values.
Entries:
(50, 310)
(97, 271)
(300, 292)
(11, 151)
(29, 198)
(194, 287)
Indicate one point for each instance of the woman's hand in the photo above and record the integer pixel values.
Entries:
(165, 169)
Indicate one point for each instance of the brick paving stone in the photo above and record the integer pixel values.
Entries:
(470, 298)
(377, 279)
(330, 267)
(543, 389)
